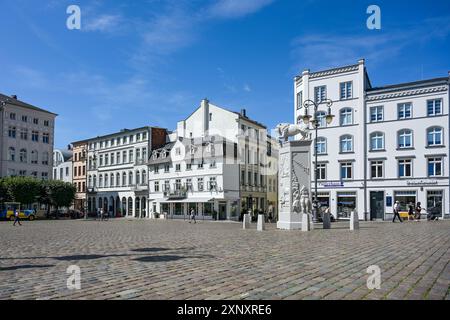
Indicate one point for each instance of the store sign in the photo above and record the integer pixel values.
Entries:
(422, 182)
(332, 184)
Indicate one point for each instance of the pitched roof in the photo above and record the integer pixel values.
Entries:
(16, 102)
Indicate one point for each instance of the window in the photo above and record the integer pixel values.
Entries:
(44, 175)
(434, 136)
(404, 110)
(118, 157)
(321, 118)
(210, 117)
(124, 157)
(11, 154)
(156, 186)
(22, 173)
(23, 155)
(106, 159)
(166, 168)
(321, 145)
(12, 116)
(132, 138)
(45, 158)
(100, 181)
(138, 177)
(156, 169)
(144, 154)
(346, 143)
(130, 157)
(144, 177)
(24, 134)
(188, 166)
(434, 167)
(101, 160)
(111, 179)
(346, 116)
(376, 141)
(212, 183)
(376, 169)
(322, 171)
(144, 136)
(434, 107)
(346, 90)
(200, 166)
(178, 167)
(346, 170)
(24, 119)
(35, 136)
(212, 164)
(167, 185)
(320, 93)
(46, 138)
(200, 184)
(34, 158)
(112, 158)
(124, 179)
(46, 123)
(130, 178)
(12, 132)
(299, 99)
(376, 114)
(405, 139)
(405, 168)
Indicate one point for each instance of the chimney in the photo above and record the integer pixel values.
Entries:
(14, 97)
(244, 113)
(205, 109)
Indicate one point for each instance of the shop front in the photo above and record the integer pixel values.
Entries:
(346, 203)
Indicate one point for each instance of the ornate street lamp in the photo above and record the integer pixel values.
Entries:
(313, 119)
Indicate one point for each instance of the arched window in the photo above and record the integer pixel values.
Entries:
(405, 138)
(321, 145)
(434, 136)
(321, 115)
(111, 180)
(23, 155)
(34, 157)
(124, 179)
(346, 116)
(118, 179)
(377, 141)
(90, 181)
(100, 181)
(130, 178)
(144, 177)
(138, 177)
(346, 143)
(11, 154)
(95, 180)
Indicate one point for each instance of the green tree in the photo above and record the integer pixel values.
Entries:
(5, 193)
(22, 189)
(62, 194)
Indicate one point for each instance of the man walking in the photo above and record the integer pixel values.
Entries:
(16, 217)
(397, 211)
(192, 216)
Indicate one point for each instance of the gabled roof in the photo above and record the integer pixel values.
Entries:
(19, 103)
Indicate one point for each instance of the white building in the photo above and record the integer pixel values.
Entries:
(117, 177)
(384, 144)
(26, 140)
(215, 164)
(62, 165)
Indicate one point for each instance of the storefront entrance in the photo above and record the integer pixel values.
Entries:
(346, 203)
(434, 201)
(376, 205)
(405, 198)
(222, 211)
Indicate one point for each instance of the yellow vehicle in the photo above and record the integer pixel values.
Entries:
(7, 212)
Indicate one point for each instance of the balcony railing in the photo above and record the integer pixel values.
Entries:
(176, 194)
(140, 187)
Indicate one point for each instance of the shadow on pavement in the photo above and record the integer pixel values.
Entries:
(25, 266)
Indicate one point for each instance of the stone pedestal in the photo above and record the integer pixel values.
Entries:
(261, 223)
(326, 220)
(246, 221)
(162, 216)
(306, 222)
(294, 173)
(354, 221)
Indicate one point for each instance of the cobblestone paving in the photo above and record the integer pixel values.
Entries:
(122, 259)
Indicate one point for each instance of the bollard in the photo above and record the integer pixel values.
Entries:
(354, 221)
(246, 221)
(326, 220)
(306, 222)
(261, 223)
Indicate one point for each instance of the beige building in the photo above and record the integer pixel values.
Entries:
(26, 140)
(79, 161)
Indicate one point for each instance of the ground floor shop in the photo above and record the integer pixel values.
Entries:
(119, 204)
(204, 208)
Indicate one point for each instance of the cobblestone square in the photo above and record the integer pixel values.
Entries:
(145, 259)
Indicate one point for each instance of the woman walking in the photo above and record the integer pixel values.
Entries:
(397, 211)
(418, 211)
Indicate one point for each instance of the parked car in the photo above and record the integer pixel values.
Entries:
(76, 214)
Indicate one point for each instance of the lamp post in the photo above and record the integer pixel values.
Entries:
(307, 118)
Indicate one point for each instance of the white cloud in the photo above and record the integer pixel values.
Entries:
(102, 23)
(247, 88)
(237, 8)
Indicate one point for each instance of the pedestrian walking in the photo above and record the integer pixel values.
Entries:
(418, 211)
(269, 218)
(192, 216)
(397, 211)
(16, 217)
(101, 214)
(410, 211)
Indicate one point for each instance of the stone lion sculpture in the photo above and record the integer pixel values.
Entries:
(286, 130)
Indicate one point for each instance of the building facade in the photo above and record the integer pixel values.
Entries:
(62, 165)
(27, 138)
(117, 179)
(384, 144)
(79, 167)
(215, 163)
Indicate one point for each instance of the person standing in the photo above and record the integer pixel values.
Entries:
(410, 211)
(418, 211)
(192, 216)
(397, 211)
(101, 214)
(16, 217)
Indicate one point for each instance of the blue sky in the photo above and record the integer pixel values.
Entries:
(136, 63)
